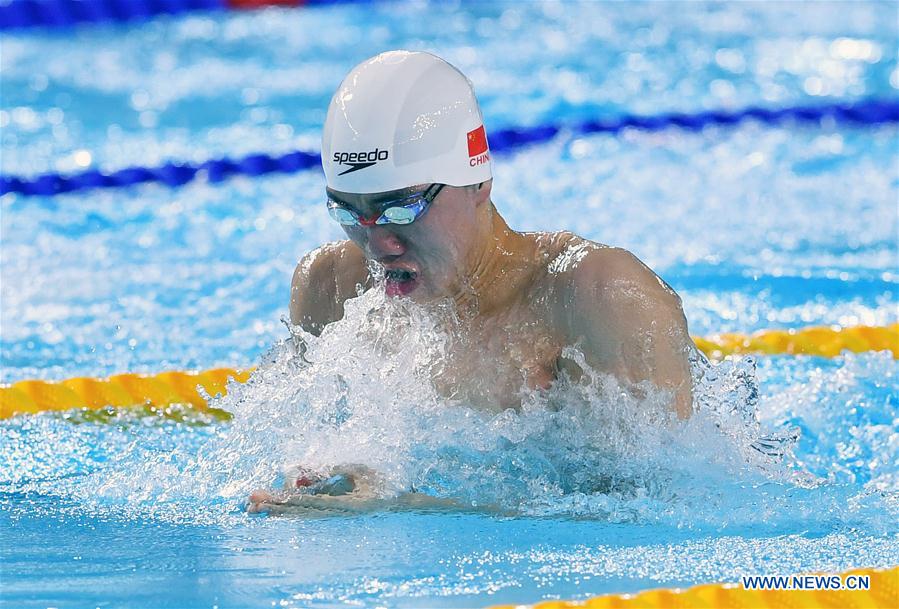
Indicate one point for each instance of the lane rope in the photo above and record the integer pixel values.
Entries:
(823, 341)
(882, 593)
(21, 14)
(175, 173)
(118, 391)
(177, 387)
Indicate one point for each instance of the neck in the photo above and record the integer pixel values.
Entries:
(496, 270)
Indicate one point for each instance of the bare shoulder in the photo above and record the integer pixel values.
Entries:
(625, 318)
(585, 268)
(323, 279)
(597, 281)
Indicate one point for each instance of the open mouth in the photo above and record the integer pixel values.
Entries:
(400, 281)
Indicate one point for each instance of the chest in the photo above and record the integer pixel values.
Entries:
(491, 363)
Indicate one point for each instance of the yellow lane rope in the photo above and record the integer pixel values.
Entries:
(883, 593)
(159, 390)
(168, 388)
(823, 341)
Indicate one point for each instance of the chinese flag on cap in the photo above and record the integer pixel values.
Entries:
(477, 141)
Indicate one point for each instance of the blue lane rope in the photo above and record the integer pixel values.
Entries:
(171, 174)
(62, 13)
(18, 14)
(866, 112)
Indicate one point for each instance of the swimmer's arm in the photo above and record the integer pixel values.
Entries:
(322, 281)
(311, 295)
(631, 323)
(294, 503)
(347, 488)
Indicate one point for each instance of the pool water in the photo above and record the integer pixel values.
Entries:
(584, 491)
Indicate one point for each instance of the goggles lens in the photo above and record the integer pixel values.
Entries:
(402, 211)
(399, 215)
(341, 214)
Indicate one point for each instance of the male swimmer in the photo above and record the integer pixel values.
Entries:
(409, 177)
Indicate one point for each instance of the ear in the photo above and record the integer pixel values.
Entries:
(482, 194)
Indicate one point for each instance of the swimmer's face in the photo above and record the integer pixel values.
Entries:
(428, 258)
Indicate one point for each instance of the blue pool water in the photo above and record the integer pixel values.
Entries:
(756, 227)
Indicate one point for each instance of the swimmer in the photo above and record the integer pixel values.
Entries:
(409, 179)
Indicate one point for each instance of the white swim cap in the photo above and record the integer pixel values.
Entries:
(404, 118)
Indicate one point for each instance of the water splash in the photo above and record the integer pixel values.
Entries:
(360, 398)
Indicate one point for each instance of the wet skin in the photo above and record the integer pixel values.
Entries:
(522, 297)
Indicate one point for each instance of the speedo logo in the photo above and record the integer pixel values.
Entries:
(359, 160)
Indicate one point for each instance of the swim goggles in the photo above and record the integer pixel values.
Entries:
(399, 211)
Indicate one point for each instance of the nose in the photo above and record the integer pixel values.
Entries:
(383, 243)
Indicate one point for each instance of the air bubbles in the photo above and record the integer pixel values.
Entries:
(82, 158)
(831, 143)
(165, 61)
(148, 119)
(77, 160)
(731, 60)
(196, 27)
(140, 100)
(55, 116)
(249, 96)
(755, 159)
(25, 118)
(814, 85)
(282, 131)
(39, 82)
(510, 19)
(256, 115)
(466, 55)
(580, 148)
(855, 49)
(723, 90)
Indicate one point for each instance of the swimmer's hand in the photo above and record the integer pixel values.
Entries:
(350, 487)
